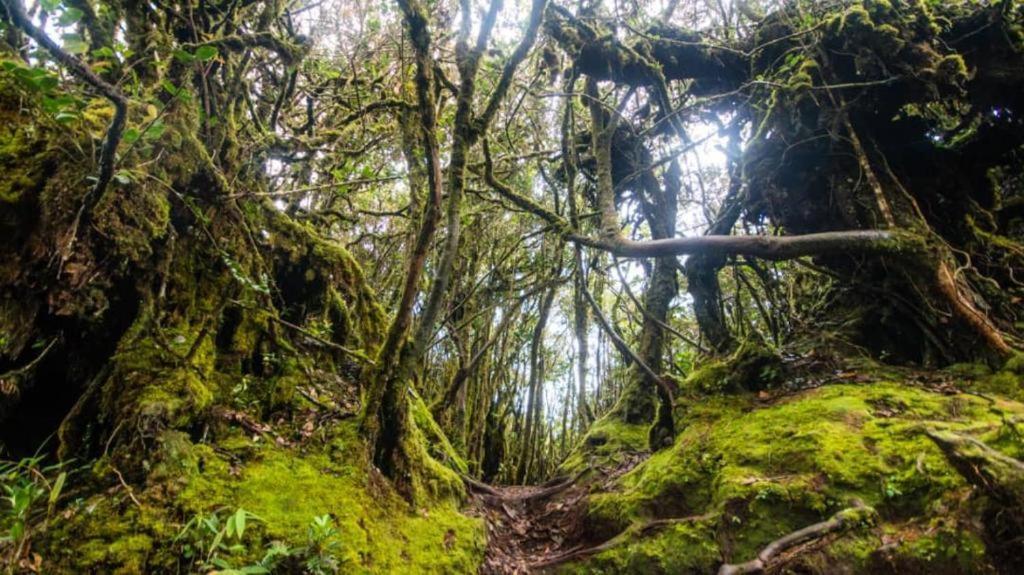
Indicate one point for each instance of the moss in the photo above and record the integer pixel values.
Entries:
(284, 489)
(750, 368)
(952, 69)
(376, 529)
(856, 18)
(109, 534)
(133, 218)
(1006, 381)
(161, 375)
(435, 440)
(608, 441)
(679, 548)
(1015, 364)
(763, 471)
(334, 273)
(946, 549)
(968, 370)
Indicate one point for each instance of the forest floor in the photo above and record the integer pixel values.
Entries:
(532, 527)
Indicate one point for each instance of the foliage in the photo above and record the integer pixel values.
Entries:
(31, 492)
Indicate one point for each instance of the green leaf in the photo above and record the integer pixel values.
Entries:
(122, 177)
(130, 135)
(58, 485)
(240, 522)
(74, 44)
(183, 56)
(154, 131)
(66, 117)
(206, 53)
(179, 93)
(104, 52)
(46, 83)
(50, 5)
(70, 16)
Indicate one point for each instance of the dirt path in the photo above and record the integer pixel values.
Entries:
(527, 526)
(530, 527)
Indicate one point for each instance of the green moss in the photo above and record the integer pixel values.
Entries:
(109, 534)
(607, 441)
(763, 471)
(132, 218)
(750, 368)
(687, 547)
(1015, 364)
(947, 548)
(376, 528)
(952, 68)
(438, 446)
(968, 370)
(161, 374)
(284, 489)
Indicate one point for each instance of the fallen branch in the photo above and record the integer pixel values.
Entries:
(838, 522)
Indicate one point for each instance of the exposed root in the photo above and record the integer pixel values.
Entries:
(999, 475)
(837, 522)
(645, 529)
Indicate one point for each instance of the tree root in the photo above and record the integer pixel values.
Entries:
(479, 486)
(999, 475)
(837, 522)
(644, 529)
(553, 487)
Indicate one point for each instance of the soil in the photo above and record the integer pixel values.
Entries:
(530, 528)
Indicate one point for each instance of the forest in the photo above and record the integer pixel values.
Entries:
(512, 286)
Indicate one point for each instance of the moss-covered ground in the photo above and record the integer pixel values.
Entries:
(282, 489)
(747, 470)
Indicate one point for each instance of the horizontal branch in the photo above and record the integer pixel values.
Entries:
(663, 52)
(764, 247)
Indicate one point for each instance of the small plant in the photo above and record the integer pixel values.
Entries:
(208, 542)
(30, 492)
(323, 546)
(891, 488)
